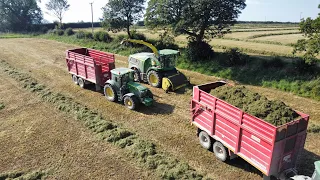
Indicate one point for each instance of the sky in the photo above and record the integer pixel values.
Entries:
(256, 10)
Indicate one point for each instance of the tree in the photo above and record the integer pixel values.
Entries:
(19, 15)
(58, 8)
(198, 19)
(120, 14)
(311, 45)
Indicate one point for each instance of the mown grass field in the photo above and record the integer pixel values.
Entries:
(258, 39)
(165, 125)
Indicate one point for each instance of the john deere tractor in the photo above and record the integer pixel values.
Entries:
(157, 68)
(121, 87)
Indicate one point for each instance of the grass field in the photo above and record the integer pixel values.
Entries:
(264, 40)
(166, 124)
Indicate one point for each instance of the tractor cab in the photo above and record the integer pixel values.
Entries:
(168, 58)
(121, 76)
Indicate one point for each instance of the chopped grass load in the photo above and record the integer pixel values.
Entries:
(274, 112)
(143, 151)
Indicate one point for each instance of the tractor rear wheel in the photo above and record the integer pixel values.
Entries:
(154, 78)
(136, 75)
(220, 151)
(75, 79)
(130, 102)
(81, 83)
(110, 93)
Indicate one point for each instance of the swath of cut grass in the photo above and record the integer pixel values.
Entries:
(33, 175)
(143, 151)
(2, 106)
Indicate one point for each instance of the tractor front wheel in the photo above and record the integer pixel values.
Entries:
(130, 102)
(154, 78)
(110, 93)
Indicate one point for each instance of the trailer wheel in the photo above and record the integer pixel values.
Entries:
(154, 78)
(130, 102)
(110, 93)
(75, 79)
(205, 140)
(81, 83)
(220, 151)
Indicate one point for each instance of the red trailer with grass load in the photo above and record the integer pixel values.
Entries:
(231, 132)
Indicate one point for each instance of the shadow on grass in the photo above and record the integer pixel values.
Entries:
(156, 108)
(305, 164)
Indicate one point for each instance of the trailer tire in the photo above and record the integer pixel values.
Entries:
(154, 78)
(110, 93)
(205, 140)
(130, 102)
(75, 79)
(220, 151)
(81, 83)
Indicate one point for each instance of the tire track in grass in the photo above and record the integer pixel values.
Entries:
(144, 152)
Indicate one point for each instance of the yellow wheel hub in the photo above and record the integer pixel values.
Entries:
(129, 103)
(109, 92)
(153, 79)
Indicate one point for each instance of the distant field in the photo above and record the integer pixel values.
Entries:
(263, 39)
(287, 39)
(246, 35)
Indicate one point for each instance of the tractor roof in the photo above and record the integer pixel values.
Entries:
(317, 166)
(143, 56)
(168, 52)
(121, 71)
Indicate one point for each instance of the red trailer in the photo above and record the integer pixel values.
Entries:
(90, 66)
(230, 132)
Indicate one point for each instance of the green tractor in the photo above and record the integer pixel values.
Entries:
(121, 87)
(157, 68)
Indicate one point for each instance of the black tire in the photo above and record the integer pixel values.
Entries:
(136, 75)
(130, 102)
(220, 151)
(269, 177)
(149, 94)
(75, 79)
(81, 83)
(154, 74)
(110, 93)
(205, 140)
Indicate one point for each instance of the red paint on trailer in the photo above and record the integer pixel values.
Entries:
(91, 65)
(270, 149)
